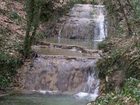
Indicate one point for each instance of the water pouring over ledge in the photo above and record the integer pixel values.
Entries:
(85, 26)
(59, 74)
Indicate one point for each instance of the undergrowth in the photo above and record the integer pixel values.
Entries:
(120, 54)
(8, 69)
(129, 95)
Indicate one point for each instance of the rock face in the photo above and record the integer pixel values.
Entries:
(61, 73)
(80, 23)
(57, 73)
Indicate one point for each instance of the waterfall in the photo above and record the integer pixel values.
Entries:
(68, 63)
(86, 24)
(100, 30)
(100, 23)
(91, 88)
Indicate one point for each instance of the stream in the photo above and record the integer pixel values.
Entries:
(64, 70)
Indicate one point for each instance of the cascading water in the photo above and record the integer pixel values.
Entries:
(85, 26)
(86, 23)
(67, 65)
(100, 30)
(91, 88)
(99, 23)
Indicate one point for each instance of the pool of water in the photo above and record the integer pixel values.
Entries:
(41, 100)
(87, 43)
(58, 51)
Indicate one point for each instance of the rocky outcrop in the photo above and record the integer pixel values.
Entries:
(66, 50)
(56, 73)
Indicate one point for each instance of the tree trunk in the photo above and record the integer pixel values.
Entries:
(30, 15)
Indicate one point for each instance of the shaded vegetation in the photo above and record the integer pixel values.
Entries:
(123, 56)
(129, 95)
(8, 69)
(33, 8)
(123, 17)
(121, 52)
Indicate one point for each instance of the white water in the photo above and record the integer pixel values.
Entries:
(91, 89)
(83, 16)
(100, 31)
(99, 35)
(45, 92)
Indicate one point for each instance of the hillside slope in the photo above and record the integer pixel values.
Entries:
(12, 25)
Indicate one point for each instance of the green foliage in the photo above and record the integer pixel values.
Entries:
(3, 31)
(14, 15)
(50, 11)
(4, 34)
(132, 88)
(4, 81)
(109, 64)
(116, 57)
(78, 1)
(8, 67)
(136, 7)
(124, 16)
(104, 46)
(136, 20)
(47, 11)
(18, 47)
(40, 36)
(129, 95)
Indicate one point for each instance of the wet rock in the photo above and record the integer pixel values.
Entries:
(66, 50)
(57, 73)
(80, 23)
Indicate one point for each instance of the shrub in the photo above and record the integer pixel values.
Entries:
(129, 95)
(8, 66)
(124, 56)
(14, 15)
